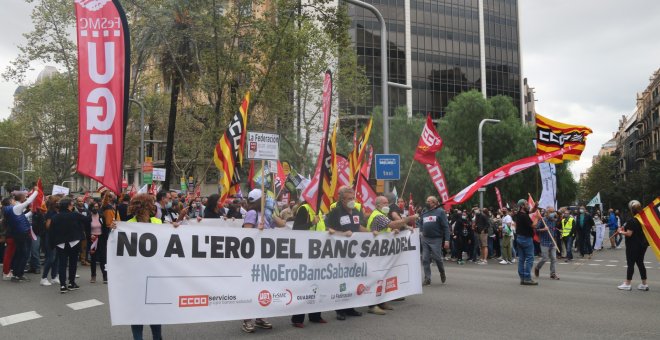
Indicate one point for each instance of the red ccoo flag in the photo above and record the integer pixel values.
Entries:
(429, 143)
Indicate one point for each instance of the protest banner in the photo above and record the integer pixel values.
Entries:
(59, 190)
(211, 272)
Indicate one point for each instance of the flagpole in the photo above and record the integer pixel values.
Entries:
(263, 196)
(406, 181)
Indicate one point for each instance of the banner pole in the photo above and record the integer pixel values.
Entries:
(548, 230)
(406, 181)
(263, 194)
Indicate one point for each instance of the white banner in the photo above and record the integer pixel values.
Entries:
(159, 174)
(549, 182)
(60, 190)
(212, 272)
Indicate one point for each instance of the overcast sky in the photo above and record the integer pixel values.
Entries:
(586, 59)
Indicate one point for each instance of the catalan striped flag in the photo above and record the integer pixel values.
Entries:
(329, 177)
(649, 218)
(357, 155)
(228, 153)
(552, 136)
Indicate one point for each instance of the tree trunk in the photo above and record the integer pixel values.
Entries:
(171, 127)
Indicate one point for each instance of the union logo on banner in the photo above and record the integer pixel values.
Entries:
(92, 5)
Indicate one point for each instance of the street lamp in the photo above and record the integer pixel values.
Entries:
(481, 158)
(384, 81)
(22, 163)
(141, 131)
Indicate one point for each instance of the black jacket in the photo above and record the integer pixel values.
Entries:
(67, 227)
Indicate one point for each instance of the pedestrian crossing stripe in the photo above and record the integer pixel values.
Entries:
(84, 304)
(16, 318)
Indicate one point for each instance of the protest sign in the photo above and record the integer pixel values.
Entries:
(210, 272)
(58, 189)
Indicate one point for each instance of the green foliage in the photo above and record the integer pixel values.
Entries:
(642, 185)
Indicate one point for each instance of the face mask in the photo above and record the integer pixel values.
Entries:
(168, 205)
(553, 215)
(350, 204)
(581, 211)
(464, 217)
(428, 206)
(385, 210)
(94, 211)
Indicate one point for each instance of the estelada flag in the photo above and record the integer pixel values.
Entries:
(649, 218)
(552, 136)
(429, 143)
(356, 156)
(228, 152)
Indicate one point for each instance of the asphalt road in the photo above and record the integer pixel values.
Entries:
(477, 302)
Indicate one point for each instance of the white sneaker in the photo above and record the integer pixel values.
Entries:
(56, 280)
(624, 286)
(7, 277)
(514, 261)
(504, 262)
(482, 262)
(45, 282)
(643, 287)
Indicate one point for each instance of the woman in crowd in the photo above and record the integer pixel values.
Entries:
(66, 233)
(50, 256)
(99, 239)
(143, 208)
(213, 209)
(636, 245)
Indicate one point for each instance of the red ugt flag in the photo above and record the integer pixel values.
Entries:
(103, 77)
(429, 143)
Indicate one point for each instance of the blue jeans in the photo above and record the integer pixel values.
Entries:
(568, 244)
(431, 248)
(35, 251)
(50, 261)
(155, 331)
(525, 257)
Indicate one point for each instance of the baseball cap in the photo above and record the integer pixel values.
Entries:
(254, 195)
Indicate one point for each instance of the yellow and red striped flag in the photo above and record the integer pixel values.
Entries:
(329, 178)
(649, 218)
(356, 156)
(228, 153)
(552, 136)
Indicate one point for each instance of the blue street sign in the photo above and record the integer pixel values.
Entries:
(388, 167)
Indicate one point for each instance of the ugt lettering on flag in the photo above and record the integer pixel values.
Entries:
(103, 54)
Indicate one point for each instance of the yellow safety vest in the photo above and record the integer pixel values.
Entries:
(154, 220)
(373, 215)
(566, 231)
(310, 213)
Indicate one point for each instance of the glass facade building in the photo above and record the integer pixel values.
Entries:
(445, 51)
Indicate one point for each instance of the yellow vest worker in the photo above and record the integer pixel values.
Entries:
(154, 220)
(320, 226)
(373, 216)
(566, 227)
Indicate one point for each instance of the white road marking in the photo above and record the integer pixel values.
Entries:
(610, 265)
(16, 318)
(599, 260)
(85, 304)
(594, 264)
(613, 260)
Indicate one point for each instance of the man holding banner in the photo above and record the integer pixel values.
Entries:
(345, 220)
(525, 231)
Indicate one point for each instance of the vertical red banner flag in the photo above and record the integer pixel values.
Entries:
(313, 191)
(103, 82)
(429, 143)
(499, 198)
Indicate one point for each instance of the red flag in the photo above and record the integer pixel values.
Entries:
(365, 195)
(429, 143)
(39, 200)
(314, 191)
(411, 209)
(103, 82)
(198, 190)
(649, 218)
(501, 173)
(366, 166)
(280, 178)
(343, 174)
(356, 156)
(251, 175)
(499, 198)
(438, 179)
(133, 191)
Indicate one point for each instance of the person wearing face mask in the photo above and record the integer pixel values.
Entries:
(583, 223)
(545, 229)
(568, 234)
(434, 228)
(459, 235)
(525, 233)
(67, 232)
(344, 220)
(507, 237)
(98, 236)
(636, 246)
